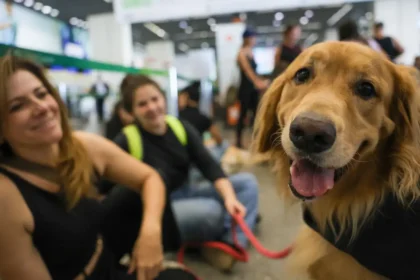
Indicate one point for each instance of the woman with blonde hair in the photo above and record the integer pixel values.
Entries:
(50, 220)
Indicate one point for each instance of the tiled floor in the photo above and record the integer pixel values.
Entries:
(276, 230)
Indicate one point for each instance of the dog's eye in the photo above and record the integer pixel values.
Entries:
(302, 75)
(365, 90)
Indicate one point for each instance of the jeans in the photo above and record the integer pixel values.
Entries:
(201, 215)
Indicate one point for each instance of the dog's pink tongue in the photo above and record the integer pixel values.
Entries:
(309, 180)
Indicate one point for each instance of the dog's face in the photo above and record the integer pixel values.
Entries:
(331, 108)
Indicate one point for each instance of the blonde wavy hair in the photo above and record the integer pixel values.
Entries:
(73, 164)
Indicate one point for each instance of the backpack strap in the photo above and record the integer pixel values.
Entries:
(134, 141)
(135, 144)
(178, 128)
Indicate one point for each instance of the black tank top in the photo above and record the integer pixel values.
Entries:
(65, 239)
(245, 81)
(289, 54)
(389, 244)
(246, 86)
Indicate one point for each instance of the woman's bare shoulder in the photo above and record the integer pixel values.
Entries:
(97, 147)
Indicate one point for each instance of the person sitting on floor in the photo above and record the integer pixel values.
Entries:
(192, 114)
(51, 222)
(120, 117)
(172, 146)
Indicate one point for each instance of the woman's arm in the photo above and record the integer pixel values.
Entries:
(246, 67)
(277, 56)
(201, 156)
(397, 46)
(215, 134)
(212, 170)
(118, 166)
(19, 259)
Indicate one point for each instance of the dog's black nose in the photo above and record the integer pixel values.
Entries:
(311, 133)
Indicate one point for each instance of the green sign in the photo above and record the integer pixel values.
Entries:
(130, 4)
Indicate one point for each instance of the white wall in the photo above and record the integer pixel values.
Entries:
(400, 18)
(228, 43)
(264, 57)
(110, 41)
(181, 64)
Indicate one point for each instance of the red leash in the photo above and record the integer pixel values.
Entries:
(240, 253)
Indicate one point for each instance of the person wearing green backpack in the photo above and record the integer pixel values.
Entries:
(172, 146)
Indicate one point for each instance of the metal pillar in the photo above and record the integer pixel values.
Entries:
(206, 98)
(172, 98)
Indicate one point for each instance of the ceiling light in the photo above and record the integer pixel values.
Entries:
(309, 14)
(183, 47)
(74, 21)
(161, 33)
(369, 15)
(156, 30)
(46, 10)
(38, 6)
(310, 40)
(211, 21)
(188, 30)
(18, 1)
(279, 16)
(183, 24)
(276, 23)
(54, 13)
(204, 45)
(29, 3)
(108, 1)
(339, 14)
(243, 16)
(304, 20)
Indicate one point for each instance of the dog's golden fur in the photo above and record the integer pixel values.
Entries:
(378, 139)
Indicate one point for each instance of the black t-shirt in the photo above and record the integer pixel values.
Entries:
(389, 244)
(388, 46)
(173, 160)
(200, 122)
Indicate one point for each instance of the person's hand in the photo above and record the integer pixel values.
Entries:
(233, 206)
(147, 255)
(261, 84)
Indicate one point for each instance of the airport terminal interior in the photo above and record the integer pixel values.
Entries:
(200, 66)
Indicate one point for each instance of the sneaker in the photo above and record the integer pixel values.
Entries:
(258, 219)
(218, 259)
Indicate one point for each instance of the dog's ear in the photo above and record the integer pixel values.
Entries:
(266, 124)
(405, 149)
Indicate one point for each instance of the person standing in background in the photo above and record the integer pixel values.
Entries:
(7, 24)
(101, 90)
(417, 62)
(251, 84)
(288, 50)
(191, 113)
(349, 31)
(391, 46)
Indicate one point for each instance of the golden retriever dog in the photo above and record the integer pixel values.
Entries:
(342, 128)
